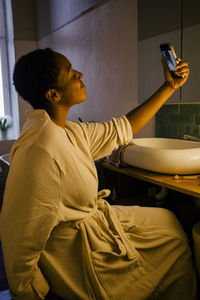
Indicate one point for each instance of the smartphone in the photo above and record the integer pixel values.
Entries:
(169, 56)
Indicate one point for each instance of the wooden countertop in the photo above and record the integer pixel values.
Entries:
(187, 186)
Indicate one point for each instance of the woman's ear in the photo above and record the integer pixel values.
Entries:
(53, 95)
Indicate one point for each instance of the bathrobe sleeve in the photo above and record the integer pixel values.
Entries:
(29, 213)
(104, 138)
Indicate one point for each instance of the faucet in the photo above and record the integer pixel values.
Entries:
(191, 137)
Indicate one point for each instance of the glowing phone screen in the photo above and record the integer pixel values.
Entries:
(170, 59)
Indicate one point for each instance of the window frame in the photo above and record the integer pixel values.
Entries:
(5, 77)
(11, 107)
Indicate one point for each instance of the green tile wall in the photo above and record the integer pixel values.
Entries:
(175, 120)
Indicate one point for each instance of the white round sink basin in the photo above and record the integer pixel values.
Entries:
(170, 156)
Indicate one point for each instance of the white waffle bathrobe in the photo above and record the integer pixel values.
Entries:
(59, 233)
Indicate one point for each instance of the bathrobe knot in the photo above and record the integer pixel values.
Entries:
(104, 214)
(103, 194)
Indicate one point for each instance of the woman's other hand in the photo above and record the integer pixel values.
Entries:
(181, 74)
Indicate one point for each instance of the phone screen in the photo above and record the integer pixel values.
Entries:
(170, 59)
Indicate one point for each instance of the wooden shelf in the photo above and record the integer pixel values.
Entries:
(187, 186)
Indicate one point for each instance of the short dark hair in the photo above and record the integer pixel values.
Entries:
(34, 74)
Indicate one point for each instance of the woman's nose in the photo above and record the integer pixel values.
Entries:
(79, 75)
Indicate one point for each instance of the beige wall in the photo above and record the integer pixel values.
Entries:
(22, 47)
(102, 44)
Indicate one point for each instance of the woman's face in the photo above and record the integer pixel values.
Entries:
(72, 89)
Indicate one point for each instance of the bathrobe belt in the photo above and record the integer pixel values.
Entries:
(115, 230)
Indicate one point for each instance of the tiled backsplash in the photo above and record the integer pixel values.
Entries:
(174, 120)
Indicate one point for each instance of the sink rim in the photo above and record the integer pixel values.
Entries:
(195, 144)
(163, 160)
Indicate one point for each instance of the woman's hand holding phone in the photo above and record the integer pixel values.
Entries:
(176, 71)
(181, 73)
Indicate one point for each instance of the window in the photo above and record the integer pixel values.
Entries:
(8, 96)
(2, 112)
(3, 59)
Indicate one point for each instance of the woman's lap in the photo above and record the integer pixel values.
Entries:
(161, 242)
(159, 219)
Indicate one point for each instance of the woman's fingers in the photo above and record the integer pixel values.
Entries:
(182, 72)
(182, 68)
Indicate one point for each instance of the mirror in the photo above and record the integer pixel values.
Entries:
(177, 22)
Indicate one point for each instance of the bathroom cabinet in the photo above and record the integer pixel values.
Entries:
(133, 186)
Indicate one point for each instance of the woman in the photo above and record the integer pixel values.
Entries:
(59, 236)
